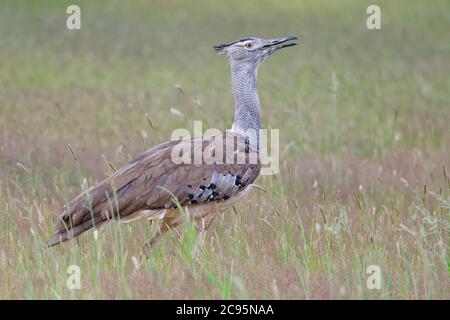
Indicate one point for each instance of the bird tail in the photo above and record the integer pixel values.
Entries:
(89, 209)
(69, 233)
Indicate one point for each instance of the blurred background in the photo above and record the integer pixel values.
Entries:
(364, 118)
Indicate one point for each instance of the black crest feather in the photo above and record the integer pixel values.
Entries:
(219, 48)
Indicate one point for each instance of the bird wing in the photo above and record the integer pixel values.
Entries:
(157, 179)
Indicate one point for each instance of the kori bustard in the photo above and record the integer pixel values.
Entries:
(157, 188)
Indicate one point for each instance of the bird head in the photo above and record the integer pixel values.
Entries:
(253, 50)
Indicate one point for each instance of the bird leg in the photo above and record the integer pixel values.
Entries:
(208, 222)
(167, 224)
(202, 225)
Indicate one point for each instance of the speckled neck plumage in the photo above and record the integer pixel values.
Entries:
(247, 117)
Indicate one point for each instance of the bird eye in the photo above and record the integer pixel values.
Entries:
(248, 45)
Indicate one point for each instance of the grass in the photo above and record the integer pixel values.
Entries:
(364, 129)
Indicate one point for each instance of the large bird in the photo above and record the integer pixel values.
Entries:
(159, 187)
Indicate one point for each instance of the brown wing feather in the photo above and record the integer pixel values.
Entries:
(152, 181)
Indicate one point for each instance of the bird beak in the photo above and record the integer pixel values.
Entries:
(280, 43)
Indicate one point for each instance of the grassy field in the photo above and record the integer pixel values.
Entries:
(364, 120)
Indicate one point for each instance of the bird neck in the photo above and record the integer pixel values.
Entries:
(247, 117)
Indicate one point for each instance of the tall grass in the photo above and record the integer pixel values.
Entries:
(364, 126)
